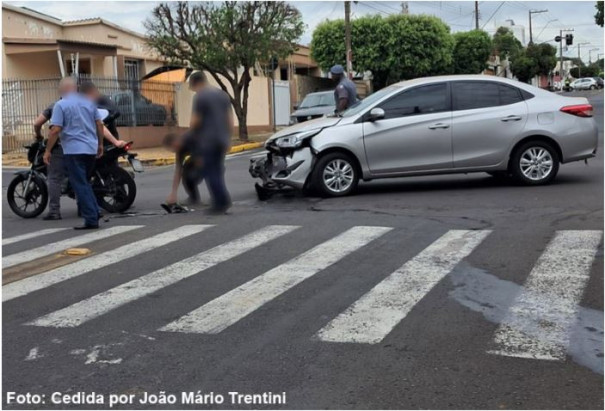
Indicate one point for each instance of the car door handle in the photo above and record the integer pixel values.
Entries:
(511, 118)
(439, 125)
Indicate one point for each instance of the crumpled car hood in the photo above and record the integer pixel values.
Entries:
(306, 126)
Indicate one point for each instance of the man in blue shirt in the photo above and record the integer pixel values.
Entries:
(77, 120)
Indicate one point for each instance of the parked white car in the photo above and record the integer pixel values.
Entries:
(587, 83)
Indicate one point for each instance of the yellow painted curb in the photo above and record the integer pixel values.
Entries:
(247, 146)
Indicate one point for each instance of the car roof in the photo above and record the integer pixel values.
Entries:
(463, 77)
(320, 92)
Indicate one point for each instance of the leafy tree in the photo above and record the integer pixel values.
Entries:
(535, 60)
(505, 43)
(393, 48)
(370, 50)
(225, 39)
(471, 51)
(591, 70)
(420, 46)
(598, 17)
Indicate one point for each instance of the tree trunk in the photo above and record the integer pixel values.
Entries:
(243, 127)
(242, 102)
(240, 113)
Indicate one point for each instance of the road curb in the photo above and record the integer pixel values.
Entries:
(166, 161)
(155, 162)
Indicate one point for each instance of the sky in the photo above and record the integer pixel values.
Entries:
(459, 15)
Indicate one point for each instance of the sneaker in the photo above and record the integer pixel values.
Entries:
(51, 217)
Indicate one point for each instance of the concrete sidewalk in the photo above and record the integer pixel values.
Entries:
(157, 156)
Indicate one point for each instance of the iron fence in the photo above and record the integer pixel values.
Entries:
(141, 103)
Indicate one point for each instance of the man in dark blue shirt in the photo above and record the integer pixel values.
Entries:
(345, 94)
(212, 126)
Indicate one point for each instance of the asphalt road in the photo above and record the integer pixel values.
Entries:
(231, 308)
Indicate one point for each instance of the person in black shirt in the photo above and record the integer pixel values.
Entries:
(187, 167)
(56, 169)
(212, 125)
(90, 90)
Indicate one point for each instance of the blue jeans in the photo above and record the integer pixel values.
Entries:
(213, 171)
(79, 167)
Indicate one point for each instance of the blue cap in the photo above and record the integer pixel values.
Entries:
(337, 69)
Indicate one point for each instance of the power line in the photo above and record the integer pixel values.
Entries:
(374, 8)
(490, 17)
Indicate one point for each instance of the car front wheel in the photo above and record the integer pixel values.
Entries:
(335, 175)
(535, 163)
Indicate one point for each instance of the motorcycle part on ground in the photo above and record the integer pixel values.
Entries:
(175, 208)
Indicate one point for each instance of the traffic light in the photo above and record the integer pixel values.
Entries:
(568, 39)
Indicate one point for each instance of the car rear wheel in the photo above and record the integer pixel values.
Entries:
(335, 175)
(535, 163)
(593, 87)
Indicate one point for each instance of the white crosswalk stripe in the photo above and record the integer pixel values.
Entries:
(28, 236)
(373, 316)
(537, 325)
(92, 307)
(231, 307)
(38, 282)
(59, 246)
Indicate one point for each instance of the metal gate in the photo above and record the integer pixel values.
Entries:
(282, 102)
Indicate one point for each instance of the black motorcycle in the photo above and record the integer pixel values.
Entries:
(113, 186)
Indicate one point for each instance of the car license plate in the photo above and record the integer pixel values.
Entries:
(136, 165)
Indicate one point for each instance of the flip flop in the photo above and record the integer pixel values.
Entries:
(167, 207)
(177, 208)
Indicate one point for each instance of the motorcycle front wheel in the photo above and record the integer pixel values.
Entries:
(117, 190)
(27, 195)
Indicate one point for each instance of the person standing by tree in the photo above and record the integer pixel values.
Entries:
(345, 94)
(211, 127)
(78, 121)
(225, 39)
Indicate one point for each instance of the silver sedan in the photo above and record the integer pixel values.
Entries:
(435, 125)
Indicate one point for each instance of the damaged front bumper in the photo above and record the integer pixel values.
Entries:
(282, 171)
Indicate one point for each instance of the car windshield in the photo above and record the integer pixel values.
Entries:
(368, 101)
(317, 100)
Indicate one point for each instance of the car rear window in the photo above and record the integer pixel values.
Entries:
(470, 95)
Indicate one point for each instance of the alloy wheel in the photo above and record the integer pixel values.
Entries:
(338, 175)
(536, 163)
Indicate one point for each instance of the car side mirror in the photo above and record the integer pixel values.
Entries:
(295, 106)
(376, 114)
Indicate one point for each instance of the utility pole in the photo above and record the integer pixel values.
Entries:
(348, 39)
(561, 40)
(580, 58)
(476, 15)
(590, 55)
(531, 38)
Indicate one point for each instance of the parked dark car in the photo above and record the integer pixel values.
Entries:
(314, 105)
(599, 81)
(137, 110)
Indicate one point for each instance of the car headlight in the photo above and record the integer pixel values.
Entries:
(295, 140)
